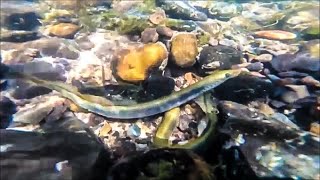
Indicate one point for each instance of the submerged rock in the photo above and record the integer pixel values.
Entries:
(134, 65)
(153, 86)
(19, 16)
(63, 30)
(299, 61)
(165, 31)
(275, 34)
(157, 17)
(181, 10)
(8, 108)
(184, 49)
(219, 57)
(47, 109)
(162, 164)
(269, 149)
(224, 10)
(57, 153)
(244, 88)
(149, 35)
(18, 36)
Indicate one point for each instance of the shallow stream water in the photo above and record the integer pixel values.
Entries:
(72, 70)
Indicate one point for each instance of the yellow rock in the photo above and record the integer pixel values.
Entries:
(133, 65)
(63, 30)
(315, 51)
(315, 128)
(184, 49)
(105, 129)
(275, 34)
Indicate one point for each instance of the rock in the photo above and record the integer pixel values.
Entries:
(63, 30)
(134, 131)
(257, 66)
(275, 34)
(244, 88)
(39, 111)
(125, 148)
(315, 128)
(8, 108)
(244, 23)
(304, 20)
(26, 91)
(296, 92)
(228, 42)
(268, 149)
(273, 47)
(312, 47)
(164, 31)
(157, 17)
(224, 10)
(231, 109)
(266, 109)
(292, 74)
(299, 61)
(18, 36)
(19, 56)
(133, 65)
(284, 119)
(84, 43)
(312, 32)
(40, 69)
(52, 47)
(57, 14)
(310, 81)
(105, 130)
(181, 10)
(19, 16)
(184, 49)
(72, 155)
(67, 52)
(219, 57)
(264, 58)
(307, 111)
(149, 35)
(162, 164)
(153, 87)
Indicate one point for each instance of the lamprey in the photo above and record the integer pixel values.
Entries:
(139, 110)
(164, 131)
(168, 124)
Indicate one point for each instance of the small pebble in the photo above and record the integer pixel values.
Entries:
(315, 128)
(134, 131)
(105, 129)
(257, 66)
(201, 126)
(265, 109)
(264, 58)
(164, 31)
(158, 17)
(149, 35)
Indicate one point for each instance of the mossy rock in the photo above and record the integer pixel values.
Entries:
(312, 32)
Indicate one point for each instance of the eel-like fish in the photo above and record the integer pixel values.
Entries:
(169, 122)
(134, 111)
